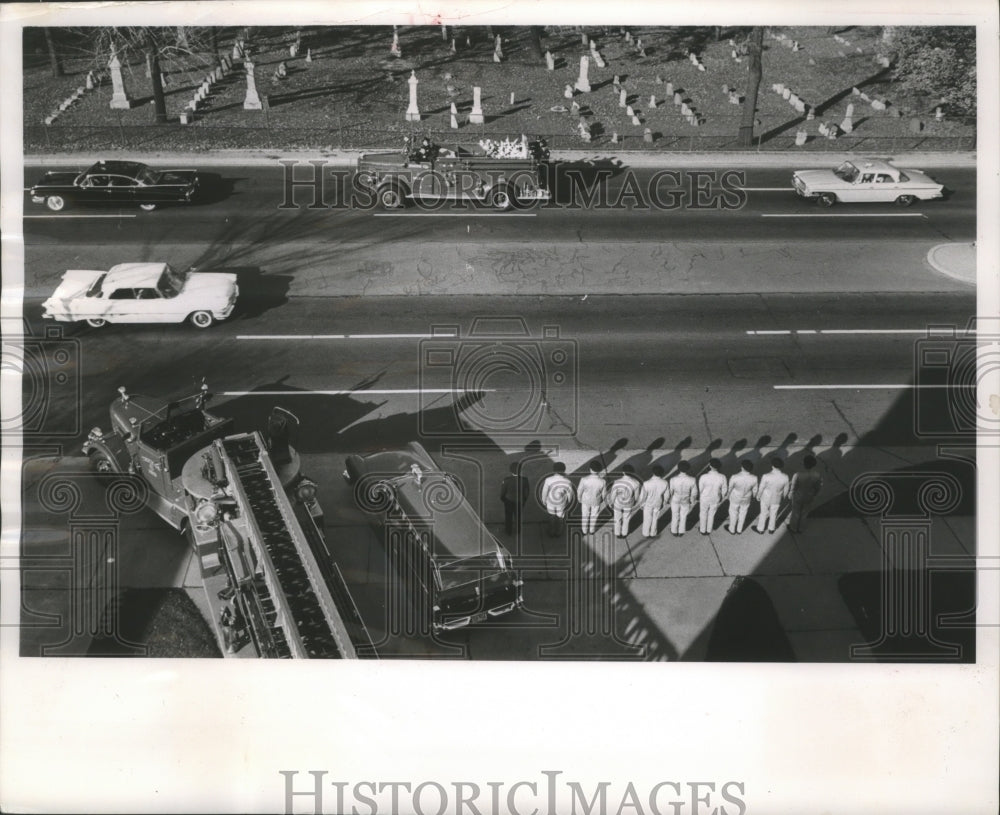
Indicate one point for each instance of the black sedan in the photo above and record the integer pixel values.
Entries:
(116, 182)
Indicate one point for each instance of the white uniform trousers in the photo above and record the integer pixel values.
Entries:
(768, 515)
(706, 516)
(678, 516)
(737, 516)
(588, 523)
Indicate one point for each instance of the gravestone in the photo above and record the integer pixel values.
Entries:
(847, 125)
(647, 136)
(454, 46)
(785, 94)
(652, 102)
(599, 60)
(850, 109)
(476, 115)
(583, 80)
(550, 61)
(583, 38)
(685, 110)
(309, 55)
(251, 101)
(512, 97)
(614, 136)
(119, 97)
(412, 111)
(616, 82)
(498, 47)
(629, 112)
(635, 121)
(568, 92)
(394, 49)
(800, 138)
(90, 80)
(670, 89)
(622, 97)
(677, 98)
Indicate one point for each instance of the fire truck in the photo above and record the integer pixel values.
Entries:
(500, 174)
(251, 517)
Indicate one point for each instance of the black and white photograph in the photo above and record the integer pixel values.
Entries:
(544, 408)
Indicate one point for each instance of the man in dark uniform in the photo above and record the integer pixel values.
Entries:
(513, 493)
(806, 485)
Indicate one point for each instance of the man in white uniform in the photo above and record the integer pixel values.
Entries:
(624, 498)
(683, 493)
(651, 500)
(742, 489)
(711, 491)
(772, 491)
(590, 494)
(557, 495)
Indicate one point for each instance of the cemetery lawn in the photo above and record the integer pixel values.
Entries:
(353, 93)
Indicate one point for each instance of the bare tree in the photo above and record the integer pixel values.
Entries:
(755, 45)
(54, 59)
(536, 41)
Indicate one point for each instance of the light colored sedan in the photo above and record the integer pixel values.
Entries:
(855, 181)
(142, 293)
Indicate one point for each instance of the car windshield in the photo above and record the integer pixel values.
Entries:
(847, 171)
(146, 176)
(171, 282)
(95, 289)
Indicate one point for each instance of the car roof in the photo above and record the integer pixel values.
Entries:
(136, 275)
(873, 166)
(129, 168)
(458, 532)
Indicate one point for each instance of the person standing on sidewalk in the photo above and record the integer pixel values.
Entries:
(624, 498)
(591, 494)
(683, 494)
(805, 486)
(711, 491)
(772, 491)
(742, 490)
(557, 495)
(651, 499)
(513, 494)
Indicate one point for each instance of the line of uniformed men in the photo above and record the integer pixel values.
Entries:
(626, 495)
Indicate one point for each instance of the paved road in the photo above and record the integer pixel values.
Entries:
(657, 379)
(245, 203)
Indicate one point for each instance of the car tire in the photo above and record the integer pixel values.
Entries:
(56, 203)
(826, 199)
(101, 462)
(391, 198)
(97, 322)
(202, 319)
(501, 198)
(905, 201)
(147, 207)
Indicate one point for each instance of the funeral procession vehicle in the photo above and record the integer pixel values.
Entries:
(142, 293)
(860, 181)
(464, 572)
(124, 183)
(500, 174)
(251, 517)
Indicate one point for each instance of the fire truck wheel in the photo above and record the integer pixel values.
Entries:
(501, 198)
(102, 463)
(390, 198)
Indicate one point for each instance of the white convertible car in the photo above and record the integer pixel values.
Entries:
(856, 181)
(142, 293)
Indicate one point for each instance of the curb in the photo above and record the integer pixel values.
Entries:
(954, 260)
(639, 158)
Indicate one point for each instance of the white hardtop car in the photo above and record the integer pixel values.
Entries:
(867, 180)
(142, 293)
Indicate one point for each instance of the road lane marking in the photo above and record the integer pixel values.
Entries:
(858, 387)
(456, 214)
(764, 189)
(132, 215)
(346, 336)
(859, 331)
(382, 391)
(842, 215)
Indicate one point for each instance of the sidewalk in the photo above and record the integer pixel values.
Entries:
(637, 158)
(955, 260)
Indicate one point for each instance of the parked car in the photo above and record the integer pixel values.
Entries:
(855, 181)
(464, 571)
(124, 183)
(142, 293)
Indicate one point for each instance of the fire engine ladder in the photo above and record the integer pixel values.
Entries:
(300, 617)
